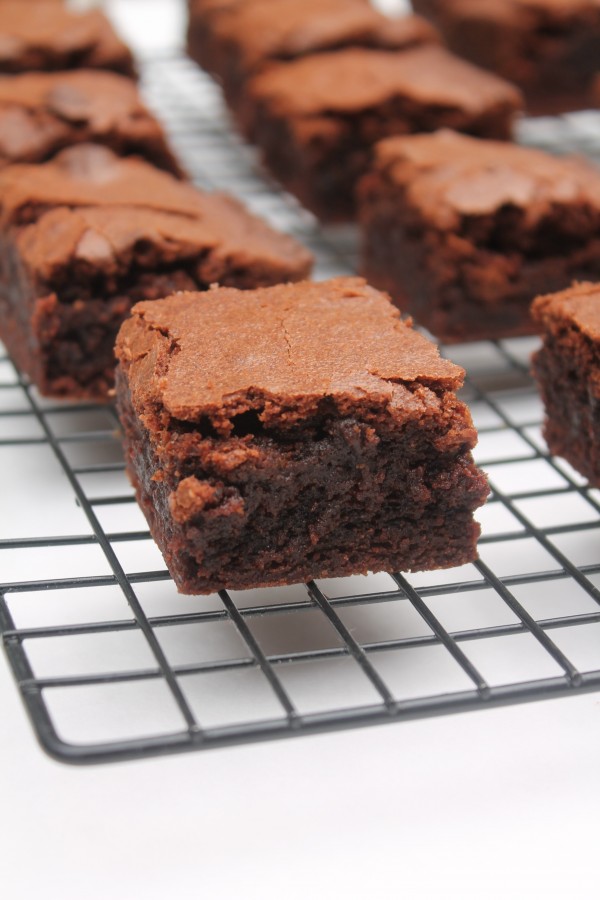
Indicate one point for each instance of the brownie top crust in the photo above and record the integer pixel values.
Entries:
(46, 35)
(353, 79)
(91, 175)
(88, 201)
(37, 110)
(297, 27)
(579, 304)
(451, 176)
(282, 351)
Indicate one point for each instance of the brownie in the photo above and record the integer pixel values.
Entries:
(45, 36)
(244, 38)
(294, 432)
(85, 236)
(43, 112)
(464, 233)
(550, 48)
(567, 368)
(318, 140)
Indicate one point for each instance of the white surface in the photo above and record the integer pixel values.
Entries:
(499, 804)
(484, 805)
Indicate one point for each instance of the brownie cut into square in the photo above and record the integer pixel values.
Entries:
(463, 233)
(46, 36)
(236, 41)
(294, 432)
(88, 234)
(44, 112)
(317, 118)
(550, 48)
(567, 369)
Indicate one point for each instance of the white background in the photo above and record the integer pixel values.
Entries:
(492, 804)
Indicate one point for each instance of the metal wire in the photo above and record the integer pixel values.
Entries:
(520, 624)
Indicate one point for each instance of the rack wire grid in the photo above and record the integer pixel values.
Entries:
(112, 663)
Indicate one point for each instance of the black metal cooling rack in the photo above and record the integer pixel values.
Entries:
(112, 664)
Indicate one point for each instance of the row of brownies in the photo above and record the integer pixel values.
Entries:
(284, 431)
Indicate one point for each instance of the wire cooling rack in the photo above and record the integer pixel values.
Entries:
(112, 663)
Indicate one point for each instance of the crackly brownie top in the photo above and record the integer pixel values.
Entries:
(579, 305)
(450, 176)
(46, 35)
(281, 351)
(91, 175)
(354, 79)
(297, 27)
(89, 201)
(37, 110)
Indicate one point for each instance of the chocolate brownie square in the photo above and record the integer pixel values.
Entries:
(294, 432)
(46, 36)
(87, 235)
(43, 112)
(464, 233)
(244, 38)
(316, 119)
(567, 369)
(550, 48)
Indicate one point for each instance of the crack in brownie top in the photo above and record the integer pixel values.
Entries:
(281, 351)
